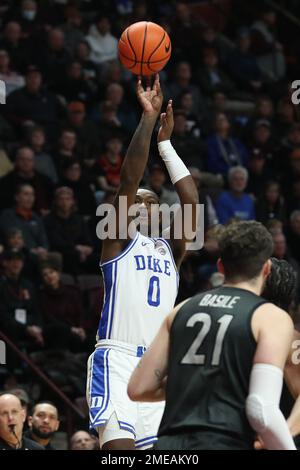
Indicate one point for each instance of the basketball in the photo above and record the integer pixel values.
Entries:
(144, 48)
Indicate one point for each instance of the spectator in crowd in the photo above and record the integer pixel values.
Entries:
(14, 240)
(73, 86)
(223, 150)
(32, 104)
(104, 46)
(25, 173)
(84, 196)
(89, 68)
(82, 440)
(291, 172)
(271, 204)
(13, 80)
(210, 39)
(264, 110)
(87, 133)
(19, 314)
(108, 166)
(16, 46)
(290, 142)
(63, 311)
(242, 64)
(293, 235)
(53, 57)
(262, 140)
(259, 172)
(126, 115)
(285, 117)
(211, 77)
(25, 219)
(210, 215)
(27, 15)
(72, 28)
(69, 235)
(188, 146)
(43, 161)
(281, 251)
(185, 102)
(12, 418)
(108, 122)
(182, 83)
(67, 149)
(235, 203)
(293, 197)
(43, 423)
(185, 33)
(267, 49)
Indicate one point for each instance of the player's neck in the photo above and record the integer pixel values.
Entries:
(251, 287)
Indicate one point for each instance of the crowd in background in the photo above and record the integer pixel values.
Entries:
(70, 113)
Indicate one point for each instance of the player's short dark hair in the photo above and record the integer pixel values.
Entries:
(244, 248)
(281, 284)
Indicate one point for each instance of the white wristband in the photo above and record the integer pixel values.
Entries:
(175, 166)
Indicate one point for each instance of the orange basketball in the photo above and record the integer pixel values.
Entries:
(144, 48)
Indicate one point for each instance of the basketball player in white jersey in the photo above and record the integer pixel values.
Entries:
(141, 281)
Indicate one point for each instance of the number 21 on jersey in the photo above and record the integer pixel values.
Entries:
(191, 356)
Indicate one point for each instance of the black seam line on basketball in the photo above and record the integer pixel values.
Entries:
(139, 61)
(163, 60)
(128, 39)
(156, 47)
(143, 50)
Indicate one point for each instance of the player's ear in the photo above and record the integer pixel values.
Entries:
(220, 266)
(267, 268)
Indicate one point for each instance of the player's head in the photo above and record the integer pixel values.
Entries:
(281, 284)
(245, 250)
(43, 421)
(148, 209)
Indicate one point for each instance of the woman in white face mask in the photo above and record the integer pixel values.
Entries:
(29, 10)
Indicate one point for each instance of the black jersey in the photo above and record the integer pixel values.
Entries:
(211, 355)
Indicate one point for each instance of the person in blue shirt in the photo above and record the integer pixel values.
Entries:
(235, 203)
(223, 150)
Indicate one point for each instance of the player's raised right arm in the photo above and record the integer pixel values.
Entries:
(134, 165)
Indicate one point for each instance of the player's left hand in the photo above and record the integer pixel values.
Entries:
(166, 124)
(150, 99)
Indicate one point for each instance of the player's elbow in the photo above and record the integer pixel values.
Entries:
(255, 413)
(135, 391)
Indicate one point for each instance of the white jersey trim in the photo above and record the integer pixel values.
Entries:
(123, 253)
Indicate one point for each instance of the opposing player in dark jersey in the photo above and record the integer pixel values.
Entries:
(280, 289)
(219, 357)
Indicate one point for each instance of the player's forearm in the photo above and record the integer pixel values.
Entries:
(138, 151)
(179, 174)
(294, 419)
(262, 407)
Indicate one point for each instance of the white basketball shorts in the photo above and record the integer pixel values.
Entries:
(109, 371)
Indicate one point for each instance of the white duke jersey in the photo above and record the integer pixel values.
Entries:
(141, 286)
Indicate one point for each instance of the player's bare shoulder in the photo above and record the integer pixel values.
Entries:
(268, 316)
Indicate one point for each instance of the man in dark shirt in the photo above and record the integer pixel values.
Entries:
(25, 173)
(32, 104)
(19, 315)
(43, 423)
(12, 418)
